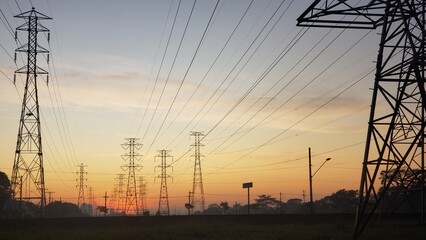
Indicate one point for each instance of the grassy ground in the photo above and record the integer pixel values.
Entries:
(319, 227)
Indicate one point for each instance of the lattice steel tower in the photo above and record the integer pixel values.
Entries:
(131, 202)
(142, 194)
(197, 200)
(28, 171)
(163, 202)
(117, 199)
(395, 147)
(81, 184)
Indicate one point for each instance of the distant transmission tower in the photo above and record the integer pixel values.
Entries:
(197, 200)
(142, 194)
(394, 159)
(131, 203)
(81, 184)
(28, 171)
(163, 203)
(119, 193)
(92, 203)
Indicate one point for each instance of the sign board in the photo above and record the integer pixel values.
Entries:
(247, 185)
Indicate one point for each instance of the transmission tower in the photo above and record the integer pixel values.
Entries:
(131, 202)
(142, 194)
(163, 203)
(395, 147)
(28, 172)
(197, 200)
(81, 185)
(92, 203)
(118, 193)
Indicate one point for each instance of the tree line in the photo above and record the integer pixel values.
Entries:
(403, 196)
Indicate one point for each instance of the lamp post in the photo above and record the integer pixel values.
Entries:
(310, 179)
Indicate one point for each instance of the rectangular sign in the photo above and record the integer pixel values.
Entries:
(247, 185)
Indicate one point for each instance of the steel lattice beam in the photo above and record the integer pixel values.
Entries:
(27, 180)
(393, 166)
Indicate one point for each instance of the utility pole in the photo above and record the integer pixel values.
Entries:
(281, 203)
(104, 209)
(189, 205)
(304, 196)
(163, 202)
(28, 167)
(311, 176)
(311, 202)
(395, 137)
(131, 204)
(81, 185)
(50, 196)
(198, 202)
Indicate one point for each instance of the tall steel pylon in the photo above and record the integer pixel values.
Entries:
(197, 200)
(28, 172)
(131, 203)
(142, 183)
(395, 147)
(92, 202)
(81, 184)
(118, 194)
(163, 202)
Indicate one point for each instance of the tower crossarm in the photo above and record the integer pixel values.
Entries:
(364, 14)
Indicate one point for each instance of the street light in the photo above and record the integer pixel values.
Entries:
(310, 178)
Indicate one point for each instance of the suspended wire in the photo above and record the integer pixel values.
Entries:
(208, 71)
(242, 98)
(60, 95)
(299, 121)
(170, 71)
(6, 76)
(224, 80)
(10, 56)
(57, 152)
(151, 72)
(294, 95)
(62, 114)
(18, 6)
(7, 24)
(186, 73)
(158, 73)
(217, 89)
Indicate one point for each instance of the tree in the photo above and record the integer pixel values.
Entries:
(63, 209)
(225, 207)
(404, 192)
(266, 201)
(213, 209)
(342, 201)
(294, 205)
(266, 204)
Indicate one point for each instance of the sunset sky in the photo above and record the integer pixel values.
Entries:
(262, 90)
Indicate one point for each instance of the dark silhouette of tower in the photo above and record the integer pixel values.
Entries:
(142, 194)
(197, 200)
(119, 193)
(81, 185)
(28, 172)
(163, 203)
(92, 202)
(131, 203)
(393, 166)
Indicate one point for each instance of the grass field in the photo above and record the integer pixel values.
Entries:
(320, 227)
